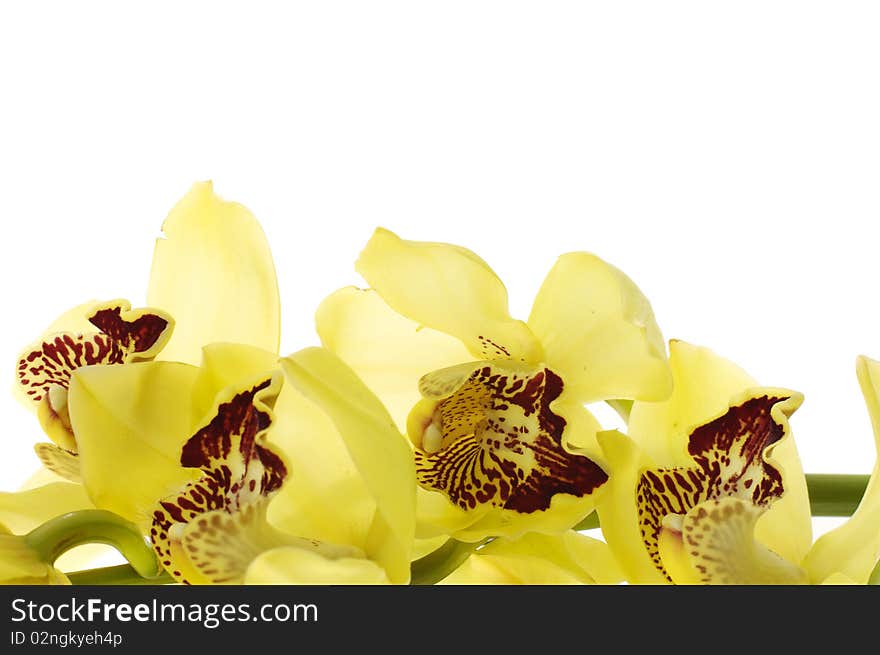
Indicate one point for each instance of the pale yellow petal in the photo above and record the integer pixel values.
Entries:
(131, 422)
(22, 511)
(854, 547)
(213, 272)
(40, 477)
(135, 418)
(26, 511)
(18, 563)
(581, 427)
(491, 571)
(298, 566)
(389, 352)
(436, 516)
(226, 365)
(380, 455)
(450, 289)
(536, 559)
(598, 331)
(324, 497)
(839, 579)
(564, 512)
(74, 320)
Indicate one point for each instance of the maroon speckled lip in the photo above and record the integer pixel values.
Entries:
(728, 456)
(237, 469)
(500, 410)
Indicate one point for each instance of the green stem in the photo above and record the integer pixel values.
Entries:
(123, 574)
(835, 495)
(435, 566)
(55, 537)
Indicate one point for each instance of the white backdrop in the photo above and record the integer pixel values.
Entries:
(725, 155)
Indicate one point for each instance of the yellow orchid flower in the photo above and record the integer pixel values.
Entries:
(708, 487)
(118, 335)
(212, 270)
(494, 407)
(242, 474)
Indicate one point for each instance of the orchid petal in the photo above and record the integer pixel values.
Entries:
(568, 558)
(325, 497)
(133, 418)
(598, 331)
(378, 451)
(437, 516)
(226, 365)
(563, 512)
(386, 350)
(213, 272)
(839, 579)
(139, 416)
(22, 511)
(299, 566)
(20, 565)
(42, 476)
(450, 289)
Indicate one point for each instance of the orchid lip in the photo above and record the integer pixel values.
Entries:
(485, 435)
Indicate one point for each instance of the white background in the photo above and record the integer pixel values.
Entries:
(725, 155)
